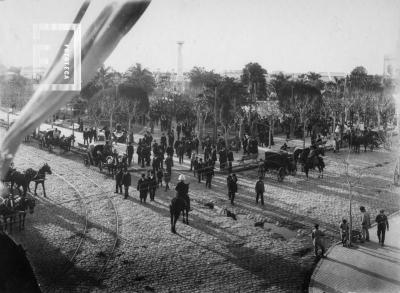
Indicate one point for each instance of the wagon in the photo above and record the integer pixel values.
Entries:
(97, 156)
(282, 162)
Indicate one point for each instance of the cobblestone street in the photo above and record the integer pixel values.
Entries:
(84, 237)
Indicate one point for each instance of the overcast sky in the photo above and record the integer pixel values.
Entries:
(288, 35)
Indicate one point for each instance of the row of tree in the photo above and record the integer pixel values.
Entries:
(224, 102)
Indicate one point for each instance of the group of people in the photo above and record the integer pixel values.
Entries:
(382, 227)
(345, 233)
(89, 135)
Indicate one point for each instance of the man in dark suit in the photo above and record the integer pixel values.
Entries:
(118, 181)
(129, 152)
(126, 181)
(143, 188)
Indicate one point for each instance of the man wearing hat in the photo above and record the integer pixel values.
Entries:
(142, 187)
(126, 181)
(365, 224)
(317, 239)
(383, 226)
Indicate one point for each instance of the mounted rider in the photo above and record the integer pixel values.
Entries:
(182, 190)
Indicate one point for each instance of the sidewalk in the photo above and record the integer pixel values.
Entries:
(367, 267)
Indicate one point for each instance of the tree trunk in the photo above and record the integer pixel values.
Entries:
(304, 137)
(270, 133)
(129, 126)
(111, 121)
(240, 128)
(378, 115)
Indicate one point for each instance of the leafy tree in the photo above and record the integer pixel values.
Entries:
(134, 100)
(253, 77)
(269, 109)
(232, 96)
(332, 98)
(204, 87)
(306, 101)
(140, 77)
(16, 90)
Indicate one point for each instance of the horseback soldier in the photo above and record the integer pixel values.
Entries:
(182, 190)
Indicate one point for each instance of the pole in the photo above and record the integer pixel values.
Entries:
(350, 214)
(215, 114)
(270, 133)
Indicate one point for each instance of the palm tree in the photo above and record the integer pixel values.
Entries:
(140, 77)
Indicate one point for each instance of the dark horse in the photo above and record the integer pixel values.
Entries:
(16, 274)
(180, 203)
(367, 139)
(38, 176)
(23, 179)
(310, 159)
(12, 207)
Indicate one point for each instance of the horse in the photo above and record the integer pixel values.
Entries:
(180, 204)
(20, 180)
(38, 176)
(315, 160)
(22, 204)
(65, 142)
(8, 212)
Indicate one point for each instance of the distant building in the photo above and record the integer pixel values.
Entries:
(30, 72)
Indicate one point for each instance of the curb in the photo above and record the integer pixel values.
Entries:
(317, 267)
(311, 285)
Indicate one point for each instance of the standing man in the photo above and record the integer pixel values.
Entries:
(118, 181)
(209, 173)
(130, 151)
(232, 187)
(230, 160)
(152, 181)
(181, 152)
(260, 189)
(383, 226)
(126, 181)
(85, 137)
(142, 187)
(167, 179)
(200, 170)
(169, 163)
(317, 238)
(365, 224)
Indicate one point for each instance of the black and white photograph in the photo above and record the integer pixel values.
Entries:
(200, 146)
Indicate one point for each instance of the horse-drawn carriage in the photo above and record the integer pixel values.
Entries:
(52, 137)
(282, 162)
(102, 156)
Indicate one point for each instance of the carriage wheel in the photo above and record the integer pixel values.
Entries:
(281, 174)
